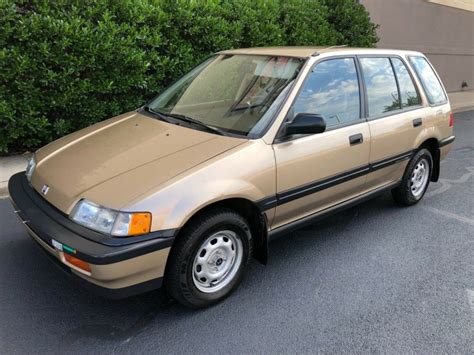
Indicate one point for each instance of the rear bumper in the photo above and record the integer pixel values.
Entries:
(445, 146)
(119, 267)
(446, 141)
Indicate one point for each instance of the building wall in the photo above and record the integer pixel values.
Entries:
(442, 29)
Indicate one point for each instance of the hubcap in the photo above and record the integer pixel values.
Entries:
(419, 178)
(217, 261)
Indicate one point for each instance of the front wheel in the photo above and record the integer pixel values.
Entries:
(209, 258)
(415, 179)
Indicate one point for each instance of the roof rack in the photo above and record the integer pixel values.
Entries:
(339, 46)
(315, 54)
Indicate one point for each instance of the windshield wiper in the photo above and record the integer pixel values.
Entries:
(191, 120)
(160, 115)
(181, 117)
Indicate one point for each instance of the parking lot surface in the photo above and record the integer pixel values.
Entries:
(374, 278)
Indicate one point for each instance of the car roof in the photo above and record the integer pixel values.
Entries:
(306, 52)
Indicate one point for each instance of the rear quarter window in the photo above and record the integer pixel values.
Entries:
(430, 82)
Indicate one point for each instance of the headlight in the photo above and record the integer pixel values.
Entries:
(30, 167)
(105, 220)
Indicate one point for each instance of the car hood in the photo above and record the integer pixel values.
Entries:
(116, 160)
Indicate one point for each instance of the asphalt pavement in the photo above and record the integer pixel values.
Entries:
(375, 278)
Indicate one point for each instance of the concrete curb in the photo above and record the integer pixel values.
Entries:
(9, 166)
(4, 192)
(463, 109)
(461, 101)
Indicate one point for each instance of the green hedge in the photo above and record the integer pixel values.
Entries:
(67, 64)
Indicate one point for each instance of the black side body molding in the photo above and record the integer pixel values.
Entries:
(280, 231)
(316, 186)
(311, 188)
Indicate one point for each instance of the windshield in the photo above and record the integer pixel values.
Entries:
(234, 93)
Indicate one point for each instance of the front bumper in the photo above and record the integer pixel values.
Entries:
(120, 267)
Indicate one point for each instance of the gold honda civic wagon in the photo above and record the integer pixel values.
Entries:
(247, 146)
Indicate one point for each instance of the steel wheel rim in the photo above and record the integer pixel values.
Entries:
(419, 178)
(217, 261)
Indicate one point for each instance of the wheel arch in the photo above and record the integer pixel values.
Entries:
(432, 144)
(256, 219)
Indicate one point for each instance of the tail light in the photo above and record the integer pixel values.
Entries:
(451, 119)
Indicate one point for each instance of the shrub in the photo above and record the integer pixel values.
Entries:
(352, 23)
(66, 64)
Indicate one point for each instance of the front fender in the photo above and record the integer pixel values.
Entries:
(246, 172)
(191, 202)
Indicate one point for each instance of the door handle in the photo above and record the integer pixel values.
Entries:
(356, 139)
(417, 122)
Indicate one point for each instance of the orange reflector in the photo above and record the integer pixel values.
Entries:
(140, 223)
(77, 262)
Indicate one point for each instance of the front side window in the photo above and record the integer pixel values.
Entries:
(382, 91)
(234, 93)
(408, 93)
(433, 89)
(331, 90)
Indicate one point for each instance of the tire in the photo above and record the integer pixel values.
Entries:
(217, 244)
(416, 179)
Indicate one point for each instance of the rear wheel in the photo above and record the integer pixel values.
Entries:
(415, 179)
(209, 258)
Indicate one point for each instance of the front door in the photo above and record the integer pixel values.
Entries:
(317, 171)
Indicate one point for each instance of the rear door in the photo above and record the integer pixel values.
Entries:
(436, 96)
(320, 170)
(395, 115)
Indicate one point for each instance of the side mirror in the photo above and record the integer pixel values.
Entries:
(306, 123)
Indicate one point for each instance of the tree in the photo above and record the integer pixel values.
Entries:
(351, 21)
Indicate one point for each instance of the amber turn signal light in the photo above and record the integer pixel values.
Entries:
(77, 262)
(140, 223)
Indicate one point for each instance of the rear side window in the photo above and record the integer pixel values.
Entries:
(408, 94)
(382, 91)
(331, 90)
(433, 89)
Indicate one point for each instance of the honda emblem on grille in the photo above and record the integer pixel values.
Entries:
(45, 189)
